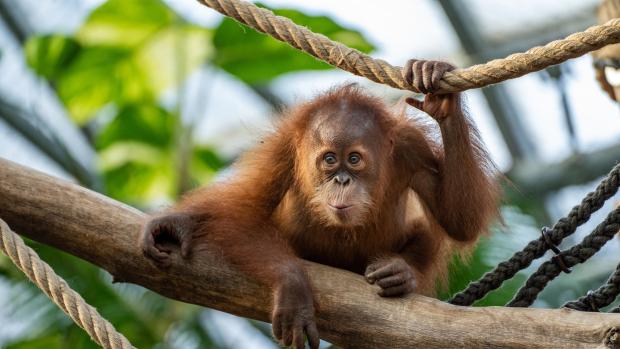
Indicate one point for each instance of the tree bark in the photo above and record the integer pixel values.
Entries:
(106, 233)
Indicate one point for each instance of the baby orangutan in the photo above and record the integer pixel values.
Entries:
(345, 182)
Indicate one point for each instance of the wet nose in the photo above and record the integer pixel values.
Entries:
(342, 178)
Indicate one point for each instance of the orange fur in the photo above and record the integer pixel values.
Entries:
(411, 199)
(264, 215)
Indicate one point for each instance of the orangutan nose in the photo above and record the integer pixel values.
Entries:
(342, 179)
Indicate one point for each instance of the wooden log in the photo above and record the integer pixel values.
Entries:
(106, 233)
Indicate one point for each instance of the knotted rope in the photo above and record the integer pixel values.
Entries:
(378, 70)
(575, 255)
(537, 248)
(57, 289)
(602, 297)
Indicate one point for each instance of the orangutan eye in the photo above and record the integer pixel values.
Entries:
(612, 76)
(354, 158)
(330, 158)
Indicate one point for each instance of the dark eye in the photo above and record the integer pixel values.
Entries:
(354, 158)
(330, 158)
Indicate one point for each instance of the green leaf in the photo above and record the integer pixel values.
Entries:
(205, 164)
(49, 55)
(125, 23)
(145, 123)
(6, 266)
(136, 150)
(255, 58)
(100, 75)
(49, 341)
(127, 51)
(141, 175)
(172, 54)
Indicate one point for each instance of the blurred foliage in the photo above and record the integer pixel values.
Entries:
(111, 74)
(126, 52)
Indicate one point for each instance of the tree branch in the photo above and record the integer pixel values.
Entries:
(543, 178)
(106, 233)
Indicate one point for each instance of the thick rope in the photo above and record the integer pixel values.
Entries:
(57, 289)
(602, 297)
(537, 248)
(378, 70)
(575, 255)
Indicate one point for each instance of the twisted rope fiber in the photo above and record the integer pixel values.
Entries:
(575, 255)
(600, 298)
(57, 289)
(378, 70)
(537, 248)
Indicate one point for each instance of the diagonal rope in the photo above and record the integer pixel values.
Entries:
(602, 297)
(378, 70)
(537, 248)
(575, 255)
(57, 289)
